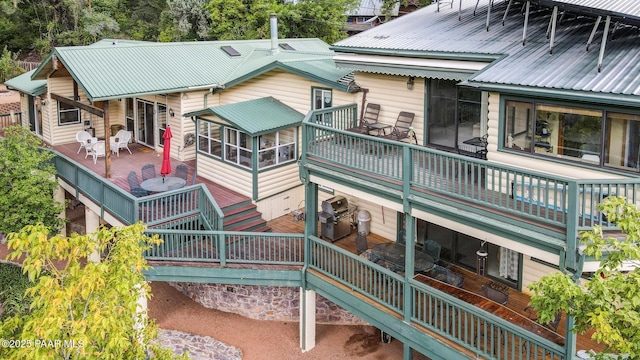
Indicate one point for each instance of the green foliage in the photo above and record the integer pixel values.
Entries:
(27, 183)
(249, 19)
(13, 284)
(9, 66)
(91, 308)
(610, 301)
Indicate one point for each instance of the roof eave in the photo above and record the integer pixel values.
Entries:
(567, 94)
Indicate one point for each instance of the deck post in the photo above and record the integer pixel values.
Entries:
(307, 319)
(92, 223)
(59, 197)
(409, 257)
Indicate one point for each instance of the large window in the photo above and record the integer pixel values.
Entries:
(210, 138)
(277, 148)
(573, 133)
(238, 147)
(68, 114)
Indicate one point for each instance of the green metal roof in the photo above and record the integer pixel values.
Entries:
(115, 69)
(255, 117)
(23, 83)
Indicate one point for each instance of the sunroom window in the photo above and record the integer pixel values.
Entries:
(210, 138)
(277, 148)
(238, 147)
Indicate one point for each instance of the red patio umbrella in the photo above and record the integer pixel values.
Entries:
(166, 159)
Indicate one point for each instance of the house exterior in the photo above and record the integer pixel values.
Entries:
(145, 87)
(515, 139)
(547, 105)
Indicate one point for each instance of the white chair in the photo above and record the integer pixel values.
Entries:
(88, 146)
(82, 137)
(98, 150)
(120, 141)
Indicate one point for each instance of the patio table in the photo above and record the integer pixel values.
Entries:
(393, 254)
(160, 184)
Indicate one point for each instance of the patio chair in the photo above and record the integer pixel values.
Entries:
(84, 138)
(98, 150)
(432, 248)
(369, 117)
(182, 171)
(120, 141)
(134, 185)
(402, 127)
(148, 171)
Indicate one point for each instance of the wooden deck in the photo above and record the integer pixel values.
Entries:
(141, 155)
(518, 301)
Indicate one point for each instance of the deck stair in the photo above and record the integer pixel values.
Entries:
(243, 216)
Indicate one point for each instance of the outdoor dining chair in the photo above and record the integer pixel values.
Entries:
(148, 171)
(134, 185)
(182, 171)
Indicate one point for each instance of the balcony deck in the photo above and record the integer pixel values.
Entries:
(141, 155)
(518, 301)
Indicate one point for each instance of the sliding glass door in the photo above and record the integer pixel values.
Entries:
(145, 123)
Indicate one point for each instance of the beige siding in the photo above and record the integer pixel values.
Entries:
(281, 204)
(292, 90)
(226, 175)
(188, 102)
(533, 271)
(393, 96)
(274, 181)
(383, 219)
(67, 133)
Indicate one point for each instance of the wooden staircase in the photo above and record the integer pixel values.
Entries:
(243, 216)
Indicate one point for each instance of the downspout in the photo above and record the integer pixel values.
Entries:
(212, 90)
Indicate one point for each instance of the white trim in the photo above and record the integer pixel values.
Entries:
(407, 61)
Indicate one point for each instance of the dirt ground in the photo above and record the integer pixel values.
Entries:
(267, 339)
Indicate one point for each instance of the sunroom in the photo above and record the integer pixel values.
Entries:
(237, 145)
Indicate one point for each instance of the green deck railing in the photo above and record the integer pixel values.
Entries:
(426, 173)
(477, 330)
(152, 210)
(360, 275)
(228, 247)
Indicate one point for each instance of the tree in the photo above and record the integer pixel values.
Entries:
(27, 183)
(9, 66)
(610, 301)
(82, 309)
(249, 19)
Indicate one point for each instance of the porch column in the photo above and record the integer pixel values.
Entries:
(307, 319)
(141, 309)
(409, 257)
(59, 197)
(92, 223)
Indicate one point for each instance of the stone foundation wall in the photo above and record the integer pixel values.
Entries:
(264, 302)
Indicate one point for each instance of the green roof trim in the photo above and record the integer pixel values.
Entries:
(255, 117)
(24, 84)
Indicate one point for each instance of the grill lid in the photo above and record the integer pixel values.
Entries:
(335, 205)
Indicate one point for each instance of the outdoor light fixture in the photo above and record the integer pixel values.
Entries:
(410, 82)
(43, 102)
(171, 113)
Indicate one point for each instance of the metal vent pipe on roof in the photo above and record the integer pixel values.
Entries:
(273, 23)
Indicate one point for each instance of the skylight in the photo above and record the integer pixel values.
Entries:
(286, 46)
(230, 50)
